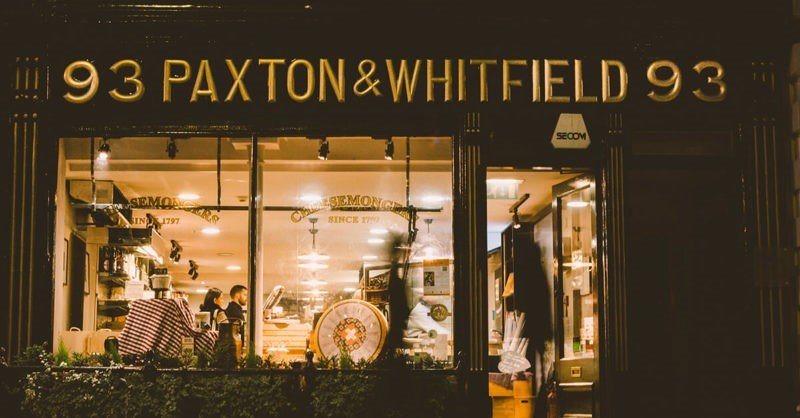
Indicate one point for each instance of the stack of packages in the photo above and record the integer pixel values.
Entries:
(512, 390)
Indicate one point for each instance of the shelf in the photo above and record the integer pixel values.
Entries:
(111, 279)
(112, 308)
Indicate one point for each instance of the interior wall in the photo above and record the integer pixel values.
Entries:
(63, 228)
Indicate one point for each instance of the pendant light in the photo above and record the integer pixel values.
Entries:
(312, 259)
(428, 247)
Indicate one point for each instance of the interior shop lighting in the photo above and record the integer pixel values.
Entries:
(201, 290)
(172, 148)
(104, 151)
(313, 265)
(577, 204)
(313, 257)
(188, 196)
(515, 210)
(379, 231)
(210, 231)
(313, 282)
(310, 198)
(149, 252)
(324, 150)
(376, 241)
(349, 289)
(389, 153)
(515, 220)
(369, 257)
(504, 181)
(432, 198)
(234, 268)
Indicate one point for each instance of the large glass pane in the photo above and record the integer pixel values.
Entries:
(578, 270)
(334, 210)
(130, 209)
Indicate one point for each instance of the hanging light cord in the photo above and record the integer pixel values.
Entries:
(219, 173)
(412, 212)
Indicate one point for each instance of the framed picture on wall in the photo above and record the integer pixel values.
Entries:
(65, 263)
(86, 274)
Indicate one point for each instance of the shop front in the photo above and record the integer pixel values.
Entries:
(560, 224)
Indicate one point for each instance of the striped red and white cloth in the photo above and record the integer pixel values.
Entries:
(160, 325)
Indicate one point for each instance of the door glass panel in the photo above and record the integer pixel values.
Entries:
(577, 270)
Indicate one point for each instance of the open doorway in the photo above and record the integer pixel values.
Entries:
(542, 282)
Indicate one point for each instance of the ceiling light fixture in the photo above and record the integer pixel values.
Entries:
(312, 265)
(210, 231)
(428, 246)
(369, 257)
(172, 148)
(349, 289)
(324, 150)
(389, 154)
(188, 196)
(515, 220)
(234, 268)
(431, 198)
(310, 198)
(514, 209)
(376, 241)
(577, 204)
(379, 231)
(504, 181)
(104, 151)
(313, 282)
(313, 257)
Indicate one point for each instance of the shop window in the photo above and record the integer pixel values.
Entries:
(335, 212)
(140, 218)
(168, 218)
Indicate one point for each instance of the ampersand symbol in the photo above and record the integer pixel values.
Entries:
(366, 79)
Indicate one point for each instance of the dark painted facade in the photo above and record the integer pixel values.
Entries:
(695, 214)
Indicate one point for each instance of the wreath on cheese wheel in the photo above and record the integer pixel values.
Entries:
(353, 325)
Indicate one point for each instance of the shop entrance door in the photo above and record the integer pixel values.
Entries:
(576, 296)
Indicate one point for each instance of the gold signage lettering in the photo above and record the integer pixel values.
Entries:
(169, 79)
(310, 81)
(579, 97)
(271, 63)
(401, 79)
(447, 79)
(536, 93)
(337, 82)
(508, 82)
(673, 82)
(462, 81)
(550, 81)
(484, 88)
(605, 89)
(204, 74)
(715, 79)
(238, 80)
(132, 79)
(90, 83)
(365, 84)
